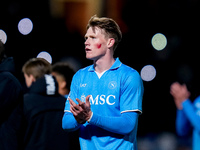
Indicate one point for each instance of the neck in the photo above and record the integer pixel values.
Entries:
(63, 92)
(104, 63)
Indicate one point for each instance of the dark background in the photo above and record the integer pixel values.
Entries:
(178, 20)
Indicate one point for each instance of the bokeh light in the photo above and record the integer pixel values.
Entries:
(25, 26)
(3, 36)
(45, 55)
(159, 41)
(148, 73)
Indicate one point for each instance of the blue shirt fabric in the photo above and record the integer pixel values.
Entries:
(66, 96)
(189, 119)
(119, 90)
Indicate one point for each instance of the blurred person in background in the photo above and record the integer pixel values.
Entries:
(64, 74)
(188, 113)
(105, 98)
(10, 88)
(37, 123)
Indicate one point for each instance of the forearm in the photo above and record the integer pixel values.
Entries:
(183, 125)
(69, 123)
(189, 110)
(123, 124)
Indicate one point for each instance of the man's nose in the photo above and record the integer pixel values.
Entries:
(86, 42)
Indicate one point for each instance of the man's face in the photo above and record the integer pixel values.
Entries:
(95, 43)
(61, 82)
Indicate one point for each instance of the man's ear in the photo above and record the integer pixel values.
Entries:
(111, 42)
(32, 78)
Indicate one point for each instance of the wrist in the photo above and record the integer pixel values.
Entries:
(182, 103)
(91, 114)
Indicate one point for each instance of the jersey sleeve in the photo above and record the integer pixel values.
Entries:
(183, 126)
(73, 91)
(69, 123)
(123, 124)
(190, 112)
(131, 93)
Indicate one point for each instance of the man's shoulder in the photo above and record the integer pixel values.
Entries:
(7, 75)
(86, 69)
(10, 78)
(197, 102)
(83, 70)
(127, 70)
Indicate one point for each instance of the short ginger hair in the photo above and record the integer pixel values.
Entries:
(110, 27)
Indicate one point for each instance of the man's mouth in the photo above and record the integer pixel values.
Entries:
(87, 49)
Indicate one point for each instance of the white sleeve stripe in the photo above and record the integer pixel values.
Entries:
(67, 111)
(132, 111)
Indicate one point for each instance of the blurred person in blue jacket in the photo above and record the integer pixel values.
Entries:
(188, 113)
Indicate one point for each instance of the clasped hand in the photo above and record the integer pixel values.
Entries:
(81, 111)
(180, 93)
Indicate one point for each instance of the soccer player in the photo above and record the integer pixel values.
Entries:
(188, 113)
(105, 99)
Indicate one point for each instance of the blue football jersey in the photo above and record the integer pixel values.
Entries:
(189, 118)
(118, 90)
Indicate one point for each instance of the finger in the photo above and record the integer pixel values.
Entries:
(76, 107)
(177, 84)
(71, 102)
(87, 100)
(80, 103)
(78, 100)
(176, 88)
(173, 89)
(173, 93)
(73, 111)
(184, 86)
(174, 84)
